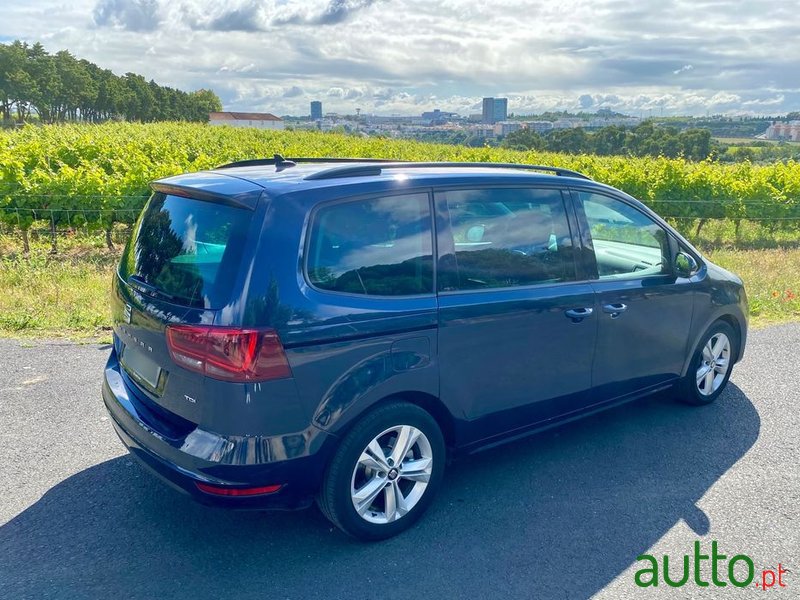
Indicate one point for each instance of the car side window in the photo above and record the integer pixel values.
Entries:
(627, 243)
(506, 237)
(376, 247)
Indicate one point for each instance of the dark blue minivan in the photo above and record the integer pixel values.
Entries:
(334, 329)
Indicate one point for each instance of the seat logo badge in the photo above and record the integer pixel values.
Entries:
(127, 313)
(190, 399)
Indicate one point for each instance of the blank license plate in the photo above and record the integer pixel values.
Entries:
(140, 366)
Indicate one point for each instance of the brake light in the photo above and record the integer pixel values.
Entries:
(228, 353)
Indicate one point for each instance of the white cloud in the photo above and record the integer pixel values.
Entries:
(405, 56)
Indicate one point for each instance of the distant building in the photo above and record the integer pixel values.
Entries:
(784, 130)
(500, 109)
(484, 131)
(437, 117)
(539, 126)
(316, 110)
(494, 110)
(387, 120)
(488, 110)
(241, 119)
(503, 128)
(566, 123)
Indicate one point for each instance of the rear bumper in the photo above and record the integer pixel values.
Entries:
(295, 461)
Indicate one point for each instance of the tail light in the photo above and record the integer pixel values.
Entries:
(228, 353)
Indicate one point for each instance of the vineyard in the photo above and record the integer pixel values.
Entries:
(93, 176)
(69, 184)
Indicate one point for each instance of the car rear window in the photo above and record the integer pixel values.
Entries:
(186, 251)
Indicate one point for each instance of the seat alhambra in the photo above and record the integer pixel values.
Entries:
(329, 329)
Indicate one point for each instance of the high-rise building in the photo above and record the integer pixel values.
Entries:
(316, 110)
(488, 110)
(500, 109)
(494, 110)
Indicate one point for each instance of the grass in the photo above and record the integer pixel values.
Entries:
(751, 235)
(66, 295)
(749, 140)
(772, 279)
(56, 296)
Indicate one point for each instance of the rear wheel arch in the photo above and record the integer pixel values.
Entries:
(427, 402)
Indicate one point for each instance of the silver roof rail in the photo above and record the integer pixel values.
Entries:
(365, 170)
(280, 161)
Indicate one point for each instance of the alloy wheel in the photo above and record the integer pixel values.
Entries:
(392, 474)
(715, 361)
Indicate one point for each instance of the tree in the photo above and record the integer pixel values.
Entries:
(524, 139)
(572, 141)
(610, 140)
(60, 87)
(203, 102)
(697, 143)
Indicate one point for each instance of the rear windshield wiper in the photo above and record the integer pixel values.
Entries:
(148, 288)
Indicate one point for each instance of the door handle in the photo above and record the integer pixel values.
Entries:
(615, 309)
(578, 314)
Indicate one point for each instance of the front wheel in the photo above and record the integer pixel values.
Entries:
(385, 473)
(711, 365)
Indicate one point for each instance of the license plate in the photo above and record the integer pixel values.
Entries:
(140, 366)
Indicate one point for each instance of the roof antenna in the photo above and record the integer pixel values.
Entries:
(281, 163)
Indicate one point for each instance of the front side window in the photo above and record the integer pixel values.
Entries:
(627, 243)
(375, 247)
(507, 237)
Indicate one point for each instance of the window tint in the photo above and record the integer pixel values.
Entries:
(187, 250)
(379, 247)
(507, 237)
(627, 243)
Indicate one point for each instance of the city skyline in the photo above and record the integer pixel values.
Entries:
(404, 57)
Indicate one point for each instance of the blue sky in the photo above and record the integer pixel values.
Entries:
(406, 56)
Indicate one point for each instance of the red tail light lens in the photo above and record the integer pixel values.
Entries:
(218, 490)
(228, 353)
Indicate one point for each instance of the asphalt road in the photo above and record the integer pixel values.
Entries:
(560, 515)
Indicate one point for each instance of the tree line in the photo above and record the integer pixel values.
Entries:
(59, 87)
(646, 139)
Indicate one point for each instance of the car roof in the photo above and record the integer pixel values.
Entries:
(247, 179)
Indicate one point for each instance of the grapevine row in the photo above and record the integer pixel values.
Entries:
(98, 174)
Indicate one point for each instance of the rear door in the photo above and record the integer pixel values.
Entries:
(645, 311)
(517, 327)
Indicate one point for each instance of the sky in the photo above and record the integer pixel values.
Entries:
(403, 57)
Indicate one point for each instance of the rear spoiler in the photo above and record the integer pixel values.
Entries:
(211, 187)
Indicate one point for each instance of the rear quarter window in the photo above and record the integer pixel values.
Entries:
(374, 247)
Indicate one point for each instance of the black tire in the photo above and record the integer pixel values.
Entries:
(335, 498)
(689, 389)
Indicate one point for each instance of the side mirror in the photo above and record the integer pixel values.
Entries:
(685, 265)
